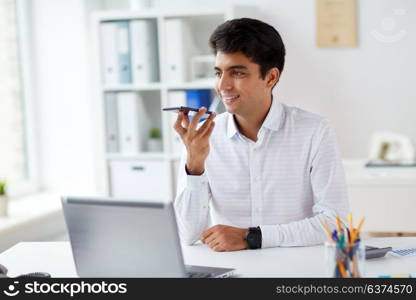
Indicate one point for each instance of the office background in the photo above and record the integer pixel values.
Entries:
(362, 89)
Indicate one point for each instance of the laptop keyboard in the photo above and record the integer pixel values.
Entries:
(199, 275)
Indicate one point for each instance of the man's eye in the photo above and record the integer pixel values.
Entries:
(238, 74)
(217, 74)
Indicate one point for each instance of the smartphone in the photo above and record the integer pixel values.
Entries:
(186, 109)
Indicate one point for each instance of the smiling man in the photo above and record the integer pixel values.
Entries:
(268, 174)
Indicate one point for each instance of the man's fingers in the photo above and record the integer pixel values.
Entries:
(205, 235)
(178, 124)
(212, 237)
(197, 117)
(209, 130)
(207, 124)
(185, 120)
(218, 248)
(213, 244)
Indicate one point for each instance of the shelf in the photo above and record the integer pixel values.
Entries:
(153, 13)
(143, 156)
(194, 85)
(118, 15)
(133, 87)
(357, 174)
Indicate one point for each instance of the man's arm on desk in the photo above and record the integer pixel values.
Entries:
(329, 192)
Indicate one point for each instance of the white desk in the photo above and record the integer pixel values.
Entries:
(56, 258)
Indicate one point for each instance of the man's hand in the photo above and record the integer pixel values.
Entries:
(225, 238)
(195, 140)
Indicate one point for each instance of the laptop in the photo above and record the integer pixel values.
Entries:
(128, 238)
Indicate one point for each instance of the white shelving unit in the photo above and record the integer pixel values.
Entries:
(137, 170)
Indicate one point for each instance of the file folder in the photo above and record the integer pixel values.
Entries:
(132, 120)
(144, 51)
(124, 57)
(179, 49)
(112, 137)
(109, 58)
(198, 98)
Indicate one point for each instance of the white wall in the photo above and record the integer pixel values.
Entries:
(60, 43)
(361, 89)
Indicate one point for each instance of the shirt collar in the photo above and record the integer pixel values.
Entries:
(273, 119)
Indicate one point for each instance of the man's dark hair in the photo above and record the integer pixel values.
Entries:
(259, 41)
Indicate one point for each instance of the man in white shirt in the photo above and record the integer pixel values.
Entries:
(268, 174)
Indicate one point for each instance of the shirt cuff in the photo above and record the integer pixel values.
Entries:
(270, 236)
(196, 182)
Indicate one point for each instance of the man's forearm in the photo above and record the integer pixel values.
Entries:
(306, 232)
(192, 206)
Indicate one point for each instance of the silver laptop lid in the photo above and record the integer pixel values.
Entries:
(116, 238)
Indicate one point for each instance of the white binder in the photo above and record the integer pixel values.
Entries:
(109, 52)
(112, 137)
(176, 98)
(179, 49)
(124, 53)
(132, 122)
(144, 51)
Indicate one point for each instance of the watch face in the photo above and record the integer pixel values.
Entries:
(250, 239)
(254, 238)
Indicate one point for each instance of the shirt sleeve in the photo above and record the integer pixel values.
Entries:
(191, 204)
(329, 189)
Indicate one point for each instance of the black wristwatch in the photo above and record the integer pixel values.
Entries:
(254, 238)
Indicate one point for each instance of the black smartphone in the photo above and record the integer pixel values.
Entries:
(186, 109)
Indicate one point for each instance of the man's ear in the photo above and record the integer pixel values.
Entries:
(272, 77)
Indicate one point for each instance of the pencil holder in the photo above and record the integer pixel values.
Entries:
(345, 261)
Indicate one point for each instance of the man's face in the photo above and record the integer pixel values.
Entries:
(239, 83)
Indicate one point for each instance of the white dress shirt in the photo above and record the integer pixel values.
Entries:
(286, 182)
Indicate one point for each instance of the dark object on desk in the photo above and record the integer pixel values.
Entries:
(3, 274)
(3, 271)
(35, 274)
(372, 164)
(374, 252)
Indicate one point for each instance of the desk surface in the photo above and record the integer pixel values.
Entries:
(56, 258)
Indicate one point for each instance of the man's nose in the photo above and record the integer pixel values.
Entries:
(224, 83)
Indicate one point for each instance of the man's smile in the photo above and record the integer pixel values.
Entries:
(229, 99)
